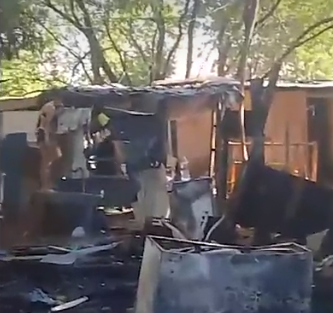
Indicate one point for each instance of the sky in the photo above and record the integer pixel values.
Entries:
(202, 66)
(202, 62)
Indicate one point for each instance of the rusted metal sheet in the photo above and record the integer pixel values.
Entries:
(186, 277)
(191, 204)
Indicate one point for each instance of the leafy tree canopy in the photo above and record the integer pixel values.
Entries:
(53, 42)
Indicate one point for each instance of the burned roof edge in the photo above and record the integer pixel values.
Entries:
(142, 98)
(10, 104)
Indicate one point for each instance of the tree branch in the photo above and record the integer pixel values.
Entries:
(223, 52)
(61, 44)
(160, 25)
(273, 77)
(224, 40)
(190, 37)
(95, 45)
(273, 73)
(301, 40)
(71, 5)
(179, 37)
(152, 57)
(249, 18)
(80, 62)
(85, 55)
(116, 49)
(134, 42)
(269, 14)
(74, 21)
(64, 15)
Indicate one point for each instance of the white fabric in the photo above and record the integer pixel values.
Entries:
(79, 165)
(71, 119)
(153, 199)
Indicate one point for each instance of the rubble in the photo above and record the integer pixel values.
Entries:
(103, 281)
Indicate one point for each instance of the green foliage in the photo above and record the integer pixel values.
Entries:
(16, 30)
(310, 61)
(313, 61)
(20, 76)
(136, 41)
(26, 75)
(273, 36)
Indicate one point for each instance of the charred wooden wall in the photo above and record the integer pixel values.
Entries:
(288, 114)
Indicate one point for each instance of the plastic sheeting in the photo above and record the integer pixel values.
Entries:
(191, 203)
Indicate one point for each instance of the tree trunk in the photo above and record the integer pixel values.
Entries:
(95, 63)
(190, 38)
(161, 33)
(250, 15)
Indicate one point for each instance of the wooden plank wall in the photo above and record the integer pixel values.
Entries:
(194, 134)
(288, 111)
(331, 128)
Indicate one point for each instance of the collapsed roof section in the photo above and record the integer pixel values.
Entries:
(175, 99)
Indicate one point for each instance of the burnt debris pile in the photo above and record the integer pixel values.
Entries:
(105, 277)
(53, 279)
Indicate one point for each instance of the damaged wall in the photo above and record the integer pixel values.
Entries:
(194, 141)
(288, 110)
(194, 131)
(288, 114)
(19, 121)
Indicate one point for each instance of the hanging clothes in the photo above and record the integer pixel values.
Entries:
(46, 139)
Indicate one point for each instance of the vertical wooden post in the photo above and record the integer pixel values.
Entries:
(173, 132)
(212, 156)
(221, 157)
(287, 148)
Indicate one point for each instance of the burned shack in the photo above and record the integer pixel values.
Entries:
(139, 119)
(89, 274)
(132, 111)
(292, 122)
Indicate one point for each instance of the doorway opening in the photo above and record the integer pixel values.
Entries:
(319, 132)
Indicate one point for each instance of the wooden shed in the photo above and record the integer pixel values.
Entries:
(298, 133)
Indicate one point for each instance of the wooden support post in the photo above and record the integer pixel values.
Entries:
(221, 158)
(287, 166)
(173, 138)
